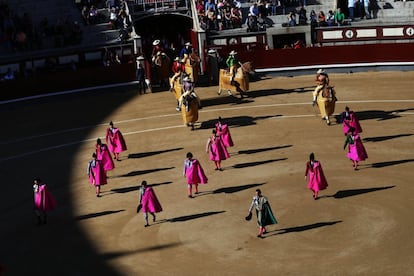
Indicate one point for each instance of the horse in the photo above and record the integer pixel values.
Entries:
(161, 68)
(191, 116)
(192, 66)
(240, 82)
(326, 100)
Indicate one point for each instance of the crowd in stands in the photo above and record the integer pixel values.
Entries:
(19, 33)
(362, 8)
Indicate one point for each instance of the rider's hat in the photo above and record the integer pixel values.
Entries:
(321, 71)
(187, 78)
(156, 42)
(211, 51)
(188, 44)
(140, 58)
(177, 58)
(232, 53)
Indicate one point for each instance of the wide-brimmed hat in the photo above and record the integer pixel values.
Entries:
(321, 71)
(188, 44)
(140, 58)
(232, 53)
(211, 51)
(156, 42)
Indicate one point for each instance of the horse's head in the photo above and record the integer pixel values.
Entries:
(247, 68)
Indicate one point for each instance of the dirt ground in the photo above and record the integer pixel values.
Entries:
(361, 225)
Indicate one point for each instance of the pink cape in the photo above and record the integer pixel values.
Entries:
(195, 173)
(357, 150)
(43, 199)
(102, 153)
(224, 132)
(217, 149)
(149, 201)
(97, 175)
(352, 122)
(115, 140)
(317, 180)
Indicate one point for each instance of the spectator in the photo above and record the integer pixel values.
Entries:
(330, 19)
(251, 23)
(93, 15)
(254, 10)
(85, 15)
(373, 7)
(113, 18)
(366, 12)
(292, 19)
(9, 75)
(210, 5)
(351, 9)
(321, 19)
(339, 17)
(211, 19)
(303, 19)
(236, 16)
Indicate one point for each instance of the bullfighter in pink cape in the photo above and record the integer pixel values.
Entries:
(224, 132)
(348, 120)
(148, 202)
(103, 154)
(194, 173)
(217, 150)
(356, 150)
(317, 180)
(115, 140)
(96, 174)
(43, 201)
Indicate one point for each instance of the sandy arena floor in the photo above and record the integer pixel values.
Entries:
(361, 225)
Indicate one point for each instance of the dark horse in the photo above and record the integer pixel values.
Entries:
(161, 69)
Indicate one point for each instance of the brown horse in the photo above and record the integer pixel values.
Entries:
(326, 100)
(161, 69)
(241, 81)
(192, 66)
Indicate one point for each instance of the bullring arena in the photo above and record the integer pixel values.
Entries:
(361, 225)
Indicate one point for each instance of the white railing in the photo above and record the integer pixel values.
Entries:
(161, 5)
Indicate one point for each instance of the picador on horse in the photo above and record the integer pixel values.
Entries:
(324, 96)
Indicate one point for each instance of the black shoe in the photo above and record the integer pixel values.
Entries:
(146, 225)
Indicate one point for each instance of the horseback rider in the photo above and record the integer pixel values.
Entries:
(177, 69)
(156, 47)
(319, 97)
(233, 64)
(188, 95)
(186, 52)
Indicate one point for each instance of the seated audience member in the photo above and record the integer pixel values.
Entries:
(330, 19)
(251, 23)
(9, 75)
(292, 19)
(339, 17)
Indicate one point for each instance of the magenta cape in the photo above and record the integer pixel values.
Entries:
(43, 199)
(115, 140)
(352, 122)
(224, 132)
(97, 175)
(102, 153)
(195, 173)
(217, 149)
(357, 150)
(317, 180)
(149, 201)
